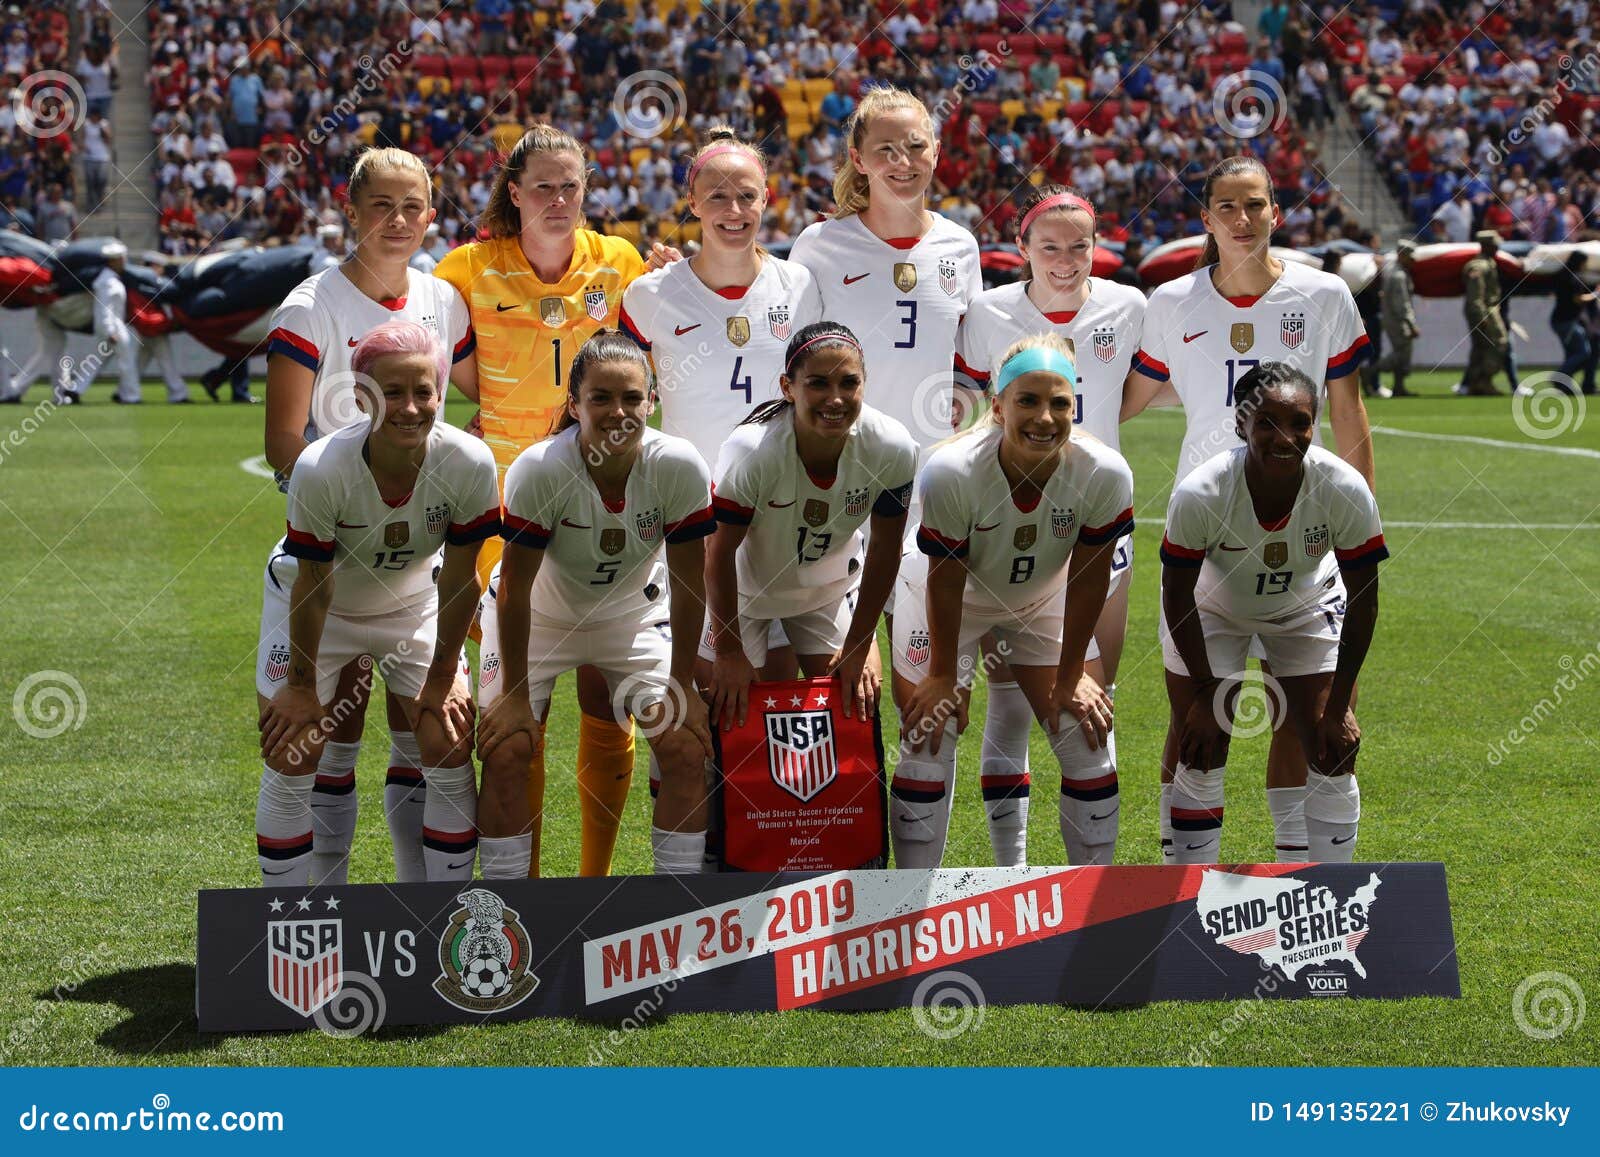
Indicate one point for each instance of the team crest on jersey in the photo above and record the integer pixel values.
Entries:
(947, 275)
(800, 752)
(778, 321)
(305, 962)
(918, 647)
(1275, 554)
(1104, 341)
(489, 671)
(649, 524)
(1293, 330)
(484, 955)
(1242, 336)
(738, 330)
(855, 502)
(612, 540)
(396, 534)
(1062, 522)
(1316, 540)
(594, 300)
(438, 518)
(815, 512)
(553, 311)
(277, 662)
(1025, 536)
(905, 276)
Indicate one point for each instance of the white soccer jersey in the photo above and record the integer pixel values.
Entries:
(718, 352)
(1105, 334)
(383, 554)
(1018, 558)
(322, 319)
(802, 549)
(1204, 343)
(1252, 572)
(599, 560)
(904, 301)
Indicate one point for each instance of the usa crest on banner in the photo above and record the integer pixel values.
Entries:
(305, 962)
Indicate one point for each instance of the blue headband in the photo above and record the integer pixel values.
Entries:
(1037, 359)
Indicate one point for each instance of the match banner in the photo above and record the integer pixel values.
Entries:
(371, 954)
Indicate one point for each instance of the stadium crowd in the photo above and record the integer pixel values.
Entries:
(37, 186)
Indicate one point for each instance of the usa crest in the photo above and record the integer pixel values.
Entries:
(855, 502)
(1062, 522)
(738, 330)
(490, 670)
(918, 648)
(649, 524)
(1105, 344)
(612, 540)
(438, 519)
(1293, 330)
(1275, 554)
(396, 534)
(778, 321)
(1025, 536)
(1242, 336)
(800, 752)
(815, 512)
(305, 962)
(277, 662)
(947, 275)
(1316, 541)
(484, 955)
(553, 311)
(905, 276)
(594, 300)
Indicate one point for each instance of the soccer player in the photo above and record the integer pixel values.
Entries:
(1205, 331)
(370, 507)
(1275, 542)
(1020, 520)
(311, 393)
(538, 289)
(794, 486)
(901, 275)
(587, 514)
(1103, 322)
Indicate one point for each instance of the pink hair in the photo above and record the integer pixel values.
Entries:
(401, 337)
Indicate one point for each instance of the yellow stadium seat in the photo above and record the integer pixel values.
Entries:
(628, 229)
(428, 85)
(1036, 178)
(368, 132)
(505, 135)
(675, 234)
(798, 109)
(1049, 108)
(818, 88)
(638, 157)
(799, 129)
(794, 91)
(540, 18)
(1012, 109)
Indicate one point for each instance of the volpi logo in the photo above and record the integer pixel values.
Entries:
(484, 955)
(1327, 983)
(800, 752)
(305, 962)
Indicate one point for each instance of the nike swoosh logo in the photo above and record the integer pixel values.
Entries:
(343, 525)
(269, 872)
(1346, 840)
(856, 278)
(780, 505)
(1189, 337)
(1108, 814)
(1197, 847)
(498, 308)
(575, 525)
(991, 526)
(1003, 815)
(462, 864)
(680, 330)
(353, 342)
(1225, 546)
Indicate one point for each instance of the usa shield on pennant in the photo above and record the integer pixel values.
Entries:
(396, 534)
(594, 300)
(1242, 336)
(1275, 553)
(1293, 330)
(800, 752)
(738, 330)
(553, 311)
(905, 276)
(612, 540)
(305, 962)
(815, 512)
(1025, 536)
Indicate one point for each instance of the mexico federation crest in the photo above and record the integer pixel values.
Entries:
(649, 524)
(396, 534)
(1025, 536)
(918, 647)
(1275, 554)
(612, 540)
(277, 662)
(1293, 330)
(947, 275)
(1062, 522)
(800, 752)
(438, 518)
(1316, 541)
(553, 311)
(594, 300)
(489, 671)
(815, 512)
(738, 330)
(1242, 336)
(855, 502)
(1104, 341)
(905, 276)
(305, 962)
(778, 321)
(484, 955)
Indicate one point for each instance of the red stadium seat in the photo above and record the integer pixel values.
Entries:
(928, 42)
(990, 41)
(494, 67)
(1231, 40)
(244, 162)
(1416, 63)
(464, 68)
(429, 65)
(1104, 153)
(1052, 42)
(524, 67)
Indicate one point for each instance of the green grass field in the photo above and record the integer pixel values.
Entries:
(133, 549)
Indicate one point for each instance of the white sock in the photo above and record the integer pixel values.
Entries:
(334, 807)
(678, 853)
(283, 829)
(1166, 823)
(1288, 808)
(1333, 817)
(1090, 800)
(505, 857)
(919, 802)
(449, 822)
(405, 794)
(1003, 773)
(1196, 814)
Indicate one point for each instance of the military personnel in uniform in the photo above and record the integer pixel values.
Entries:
(1399, 316)
(1486, 328)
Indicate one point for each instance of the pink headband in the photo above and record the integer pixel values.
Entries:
(846, 338)
(1059, 201)
(714, 150)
